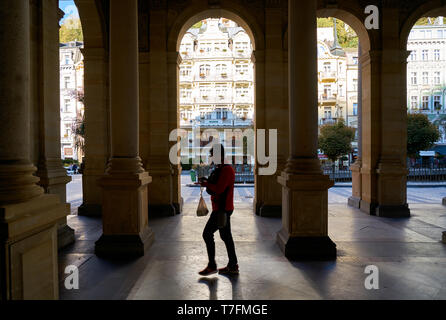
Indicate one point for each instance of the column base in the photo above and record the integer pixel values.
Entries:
(306, 248)
(354, 202)
(402, 211)
(179, 206)
(65, 236)
(162, 210)
(90, 210)
(270, 211)
(367, 207)
(28, 248)
(124, 246)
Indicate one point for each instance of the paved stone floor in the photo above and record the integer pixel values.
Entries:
(408, 253)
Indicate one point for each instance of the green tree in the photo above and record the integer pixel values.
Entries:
(71, 30)
(421, 134)
(335, 140)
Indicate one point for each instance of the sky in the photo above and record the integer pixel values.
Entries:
(69, 8)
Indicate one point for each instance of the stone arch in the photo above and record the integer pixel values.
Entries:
(431, 8)
(352, 17)
(235, 13)
(93, 25)
(354, 20)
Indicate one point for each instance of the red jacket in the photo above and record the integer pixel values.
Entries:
(225, 180)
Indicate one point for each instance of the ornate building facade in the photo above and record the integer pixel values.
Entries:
(71, 91)
(426, 72)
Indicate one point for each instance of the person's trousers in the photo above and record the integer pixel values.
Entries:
(226, 236)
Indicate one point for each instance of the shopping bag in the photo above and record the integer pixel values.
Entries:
(202, 209)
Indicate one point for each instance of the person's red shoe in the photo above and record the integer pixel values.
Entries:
(229, 270)
(208, 271)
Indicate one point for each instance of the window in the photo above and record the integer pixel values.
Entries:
(67, 130)
(205, 91)
(437, 105)
(437, 54)
(205, 70)
(241, 47)
(67, 59)
(437, 78)
(429, 34)
(425, 55)
(341, 90)
(185, 71)
(67, 82)
(327, 113)
(67, 105)
(425, 103)
(241, 69)
(222, 69)
(425, 77)
(355, 84)
(327, 91)
(327, 67)
(440, 34)
(413, 55)
(414, 102)
(355, 109)
(355, 60)
(413, 78)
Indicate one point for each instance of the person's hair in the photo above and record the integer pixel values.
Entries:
(218, 148)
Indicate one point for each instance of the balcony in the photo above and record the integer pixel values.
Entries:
(327, 76)
(216, 122)
(325, 121)
(243, 122)
(327, 100)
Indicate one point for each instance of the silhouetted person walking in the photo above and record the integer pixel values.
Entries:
(220, 185)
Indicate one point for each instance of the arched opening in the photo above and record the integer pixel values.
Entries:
(424, 36)
(344, 94)
(216, 103)
(72, 125)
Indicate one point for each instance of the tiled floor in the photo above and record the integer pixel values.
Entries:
(408, 253)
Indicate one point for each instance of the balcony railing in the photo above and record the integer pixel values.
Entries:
(327, 75)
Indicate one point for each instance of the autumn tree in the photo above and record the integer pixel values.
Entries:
(71, 30)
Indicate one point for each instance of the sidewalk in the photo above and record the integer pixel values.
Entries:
(410, 184)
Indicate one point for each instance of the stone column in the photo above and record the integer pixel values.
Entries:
(97, 142)
(392, 163)
(304, 234)
(274, 115)
(355, 199)
(163, 110)
(173, 67)
(28, 218)
(125, 217)
(53, 177)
